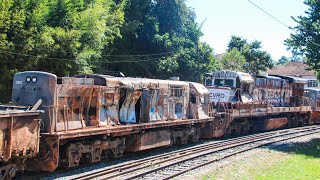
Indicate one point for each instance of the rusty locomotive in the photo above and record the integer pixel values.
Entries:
(66, 121)
(263, 103)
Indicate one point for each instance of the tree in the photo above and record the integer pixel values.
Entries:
(148, 38)
(257, 59)
(305, 40)
(64, 37)
(168, 30)
(233, 60)
(283, 61)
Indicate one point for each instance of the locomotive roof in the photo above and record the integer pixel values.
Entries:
(293, 79)
(313, 89)
(269, 77)
(244, 77)
(136, 82)
(37, 72)
(93, 75)
(199, 87)
(131, 81)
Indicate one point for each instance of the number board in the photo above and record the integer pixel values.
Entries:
(224, 75)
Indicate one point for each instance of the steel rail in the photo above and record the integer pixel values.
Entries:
(234, 153)
(181, 171)
(122, 169)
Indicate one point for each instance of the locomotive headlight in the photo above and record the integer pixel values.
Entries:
(34, 79)
(28, 79)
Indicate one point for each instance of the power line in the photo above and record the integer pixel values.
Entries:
(28, 55)
(279, 20)
(269, 14)
(108, 55)
(139, 60)
(138, 55)
(64, 59)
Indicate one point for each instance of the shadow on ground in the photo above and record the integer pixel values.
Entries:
(309, 148)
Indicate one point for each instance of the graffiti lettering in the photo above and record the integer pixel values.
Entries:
(217, 95)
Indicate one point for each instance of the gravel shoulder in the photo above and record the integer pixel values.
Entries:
(293, 159)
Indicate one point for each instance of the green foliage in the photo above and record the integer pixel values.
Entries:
(68, 37)
(167, 29)
(306, 37)
(60, 36)
(257, 59)
(233, 60)
(283, 61)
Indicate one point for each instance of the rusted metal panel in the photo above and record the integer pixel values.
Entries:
(199, 101)
(19, 133)
(125, 129)
(109, 106)
(128, 111)
(79, 106)
(155, 108)
(69, 107)
(145, 106)
(148, 140)
(276, 123)
(178, 101)
(163, 103)
(269, 89)
(199, 88)
(315, 117)
(49, 153)
(77, 81)
(262, 109)
(217, 127)
(207, 131)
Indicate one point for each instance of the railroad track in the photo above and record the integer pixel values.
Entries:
(172, 164)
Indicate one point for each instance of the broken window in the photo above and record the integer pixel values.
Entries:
(193, 98)
(178, 110)
(128, 113)
(176, 91)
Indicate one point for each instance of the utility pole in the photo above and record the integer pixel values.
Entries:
(198, 62)
(198, 55)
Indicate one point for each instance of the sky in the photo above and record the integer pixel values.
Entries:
(224, 18)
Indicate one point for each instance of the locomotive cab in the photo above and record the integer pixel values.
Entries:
(30, 86)
(229, 86)
(314, 95)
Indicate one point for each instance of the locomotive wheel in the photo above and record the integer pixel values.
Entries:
(8, 172)
(116, 152)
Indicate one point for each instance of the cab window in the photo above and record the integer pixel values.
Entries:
(208, 82)
(224, 82)
(228, 82)
(218, 82)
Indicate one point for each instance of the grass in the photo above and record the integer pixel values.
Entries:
(296, 161)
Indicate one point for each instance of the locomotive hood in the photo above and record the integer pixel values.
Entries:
(229, 86)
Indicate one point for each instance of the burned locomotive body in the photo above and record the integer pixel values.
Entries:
(90, 117)
(263, 103)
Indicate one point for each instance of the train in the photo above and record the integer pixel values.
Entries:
(63, 122)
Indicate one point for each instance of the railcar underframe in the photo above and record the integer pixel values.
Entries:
(87, 145)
